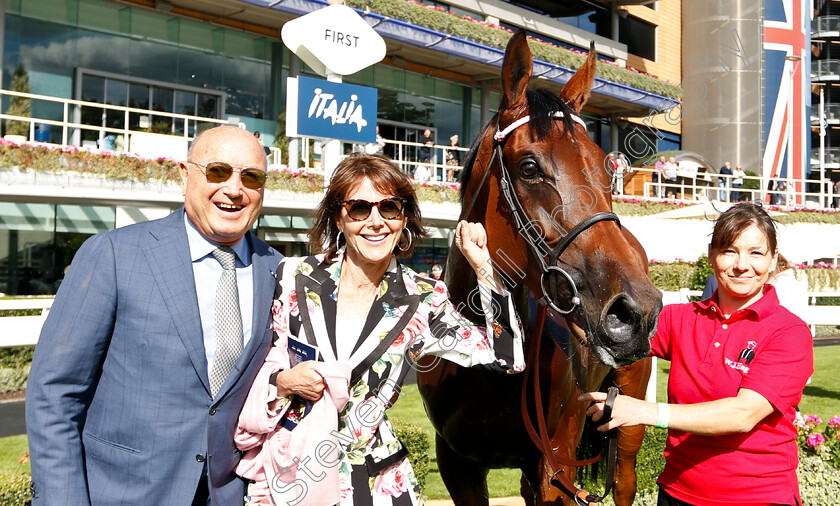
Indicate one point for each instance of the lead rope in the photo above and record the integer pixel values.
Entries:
(542, 440)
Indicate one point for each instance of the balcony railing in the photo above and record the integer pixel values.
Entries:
(832, 157)
(825, 27)
(825, 70)
(832, 114)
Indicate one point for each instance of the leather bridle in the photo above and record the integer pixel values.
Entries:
(549, 262)
(550, 269)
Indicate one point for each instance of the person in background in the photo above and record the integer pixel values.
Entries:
(672, 173)
(359, 308)
(658, 177)
(723, 182)
(152, 343)
(739, 362)
(793, 293)
(437, 270)
(378, 147)
(266, 149)
(453, 158)
(737, 183)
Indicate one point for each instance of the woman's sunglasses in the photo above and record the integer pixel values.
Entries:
(359, 210)
(219, 172)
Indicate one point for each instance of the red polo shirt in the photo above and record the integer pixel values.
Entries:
(764, 348)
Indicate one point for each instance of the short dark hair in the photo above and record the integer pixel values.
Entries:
(386, 178)
(732, 222)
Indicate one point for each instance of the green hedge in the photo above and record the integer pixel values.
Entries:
(417, 443)
(671, 277)
(14, 489)
(493, 36)
(13, 379)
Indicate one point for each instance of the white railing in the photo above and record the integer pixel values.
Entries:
(71, 117)
(23, 330)
(692, 187)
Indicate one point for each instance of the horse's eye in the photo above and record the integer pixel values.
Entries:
(529, 169)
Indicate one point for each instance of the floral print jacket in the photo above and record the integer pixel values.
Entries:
(410, 318)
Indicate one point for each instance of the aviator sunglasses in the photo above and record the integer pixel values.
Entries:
(359, 210)
(219, 172)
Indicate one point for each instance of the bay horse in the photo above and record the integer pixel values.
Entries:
(537, 182)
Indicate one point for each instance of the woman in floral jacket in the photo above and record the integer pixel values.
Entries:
(356, 307)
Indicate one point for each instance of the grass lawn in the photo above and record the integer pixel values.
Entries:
(11, 450)
(822, 397)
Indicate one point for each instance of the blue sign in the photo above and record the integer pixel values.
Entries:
(336, 110)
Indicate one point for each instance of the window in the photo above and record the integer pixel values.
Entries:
(640, 36)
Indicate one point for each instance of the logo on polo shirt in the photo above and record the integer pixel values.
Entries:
(743, 363)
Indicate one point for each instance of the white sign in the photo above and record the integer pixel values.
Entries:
(334, 40)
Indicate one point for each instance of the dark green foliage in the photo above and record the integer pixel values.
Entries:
(751, 184)
(417, 443)
(702, 271)
(16, 356)
(671, 277)
(19, 106)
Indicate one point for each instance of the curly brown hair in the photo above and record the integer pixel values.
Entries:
(386, 178)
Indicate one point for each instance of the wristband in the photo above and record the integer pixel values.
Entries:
(663, 411)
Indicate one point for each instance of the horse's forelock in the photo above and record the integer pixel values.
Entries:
(542, 105)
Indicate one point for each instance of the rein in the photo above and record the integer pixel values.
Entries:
(550, 270)
(542, 439)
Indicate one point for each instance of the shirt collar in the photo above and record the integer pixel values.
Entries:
(761, 308)
(201, 247)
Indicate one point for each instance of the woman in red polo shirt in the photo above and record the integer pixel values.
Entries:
(739, 362)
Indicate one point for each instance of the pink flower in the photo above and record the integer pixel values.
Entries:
(344, 483)
(394, 481)
(814, 440)
(813, 419)
(834, 423)
(293, 303)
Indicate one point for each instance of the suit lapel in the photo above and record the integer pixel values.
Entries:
(390, 313)
(174, 277)
(315, 291)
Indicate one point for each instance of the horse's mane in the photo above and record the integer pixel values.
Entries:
(542, 104)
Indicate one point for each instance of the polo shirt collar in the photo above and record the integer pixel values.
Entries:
(761, 308)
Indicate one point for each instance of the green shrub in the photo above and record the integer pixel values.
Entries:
(702, 271)
(671, 277)
(14, 489)
(16, 356)
(819, 482)
(417, 443)
(13, 379)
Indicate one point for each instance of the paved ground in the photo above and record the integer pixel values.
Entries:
(11, 418)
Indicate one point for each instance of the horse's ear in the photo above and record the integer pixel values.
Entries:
(576, 91)
(516, 71)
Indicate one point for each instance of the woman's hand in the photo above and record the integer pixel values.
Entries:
(302, 380)
(626, 410)
(471, 239)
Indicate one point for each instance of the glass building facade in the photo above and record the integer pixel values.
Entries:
(107, 52)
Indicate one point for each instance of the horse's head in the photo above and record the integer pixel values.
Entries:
(548, 212)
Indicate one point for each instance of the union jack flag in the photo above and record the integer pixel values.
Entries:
(787, 36)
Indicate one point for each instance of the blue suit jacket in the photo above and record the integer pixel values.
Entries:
(118, 404)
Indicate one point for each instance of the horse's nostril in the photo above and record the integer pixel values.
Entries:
(620, 319)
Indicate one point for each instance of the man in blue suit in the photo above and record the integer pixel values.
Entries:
(133, 396)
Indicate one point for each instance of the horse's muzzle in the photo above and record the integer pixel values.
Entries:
(627, 326)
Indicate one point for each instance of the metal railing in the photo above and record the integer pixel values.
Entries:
(825, 70)
(702, 186)
(832, 114)
(826, 26)
(72, 125)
